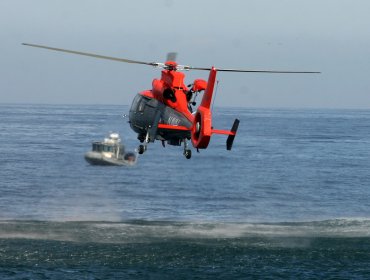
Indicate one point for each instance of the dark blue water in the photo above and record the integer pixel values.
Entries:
(291, 200)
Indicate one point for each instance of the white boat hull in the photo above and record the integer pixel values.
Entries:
(96, 158)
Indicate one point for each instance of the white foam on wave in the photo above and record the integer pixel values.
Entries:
(144, 231)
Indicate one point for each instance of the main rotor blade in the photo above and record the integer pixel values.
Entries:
(93, 55)
(156, 64)
(252, 71)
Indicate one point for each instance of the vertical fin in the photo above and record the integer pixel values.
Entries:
(231, 137)
(207, 97)
(202, 125)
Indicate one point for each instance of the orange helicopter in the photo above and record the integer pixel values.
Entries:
(165, 112)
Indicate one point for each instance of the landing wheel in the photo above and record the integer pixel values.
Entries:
(141, 149)
(187, 154)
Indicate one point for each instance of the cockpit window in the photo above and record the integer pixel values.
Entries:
(138, 104)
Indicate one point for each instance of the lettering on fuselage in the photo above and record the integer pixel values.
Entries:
(173, 120)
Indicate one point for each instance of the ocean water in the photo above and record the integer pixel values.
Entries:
(291, 200)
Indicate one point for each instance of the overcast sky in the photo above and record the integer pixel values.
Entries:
(330, 36)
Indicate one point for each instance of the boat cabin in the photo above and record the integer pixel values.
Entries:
(113, 148)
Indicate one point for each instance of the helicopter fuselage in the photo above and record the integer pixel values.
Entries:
(146, 112)
(162, 108)
(165, 113)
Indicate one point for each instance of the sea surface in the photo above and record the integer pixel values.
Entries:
(291, 200)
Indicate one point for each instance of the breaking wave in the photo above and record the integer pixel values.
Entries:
(138, 231)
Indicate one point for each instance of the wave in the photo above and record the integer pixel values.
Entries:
(139, 231)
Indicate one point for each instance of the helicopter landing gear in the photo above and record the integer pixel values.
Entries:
(141, 149)
(187, 152)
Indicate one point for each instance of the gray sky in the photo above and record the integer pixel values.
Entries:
(331, 36)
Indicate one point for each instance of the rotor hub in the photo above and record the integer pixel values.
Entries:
(171, 65)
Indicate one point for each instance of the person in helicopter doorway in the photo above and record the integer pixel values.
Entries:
(195, 88)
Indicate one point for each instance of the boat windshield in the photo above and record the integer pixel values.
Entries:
(96, 147)
(99, 147)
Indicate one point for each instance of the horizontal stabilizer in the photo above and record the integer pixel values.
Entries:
(231, 137)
